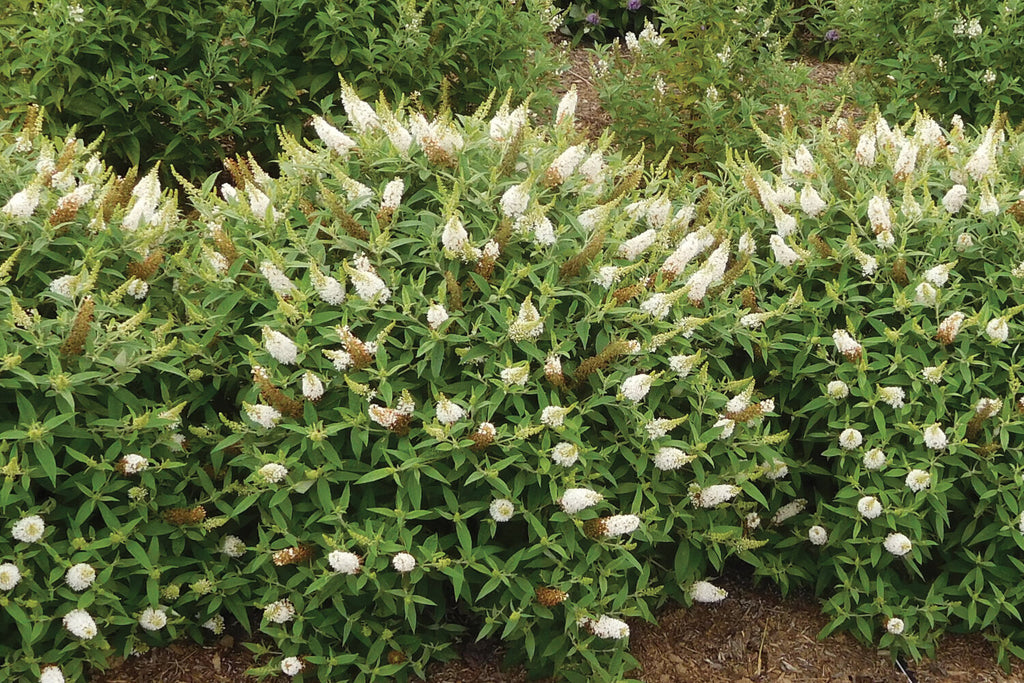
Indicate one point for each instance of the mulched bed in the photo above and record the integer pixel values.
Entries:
(754, 636)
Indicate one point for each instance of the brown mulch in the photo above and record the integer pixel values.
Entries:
(591, 118)
(222, 661)
(753, 636)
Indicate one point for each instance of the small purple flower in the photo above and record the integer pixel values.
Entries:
(634, 5)
(593, 18)
(832, 35)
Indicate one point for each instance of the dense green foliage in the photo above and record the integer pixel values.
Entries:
(468, 377)
(189, 82)
(603, 20)
(945, 58)
(692, 86)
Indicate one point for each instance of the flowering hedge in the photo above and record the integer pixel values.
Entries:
(899, 372)
(445, 378)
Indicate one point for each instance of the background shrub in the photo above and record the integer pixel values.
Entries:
(603, 20)
(188, 83)
(944, 58)
(693, 86)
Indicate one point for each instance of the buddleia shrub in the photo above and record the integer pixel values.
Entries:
(466, 378)
(945, 58)
(450, 401)
(92, 463)
(413, 398)
(691, 85)
(897, 370)
(188, 83)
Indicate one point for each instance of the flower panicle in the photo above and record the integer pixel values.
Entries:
(601, 360)
(293, 555)
(185, 516)
(274, 396)
(549, 597)
(75, 343)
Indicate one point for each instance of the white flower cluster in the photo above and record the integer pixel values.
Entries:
(360, 114)
(279, 611)
(133, 463)
(784, 254)
(328, 288)
(605, 627)
(707, 592)
(29, 529)
(281, 348)
(619, 525)
(528, 324)
(291, 666)
(790, 509)
(954, 200)
(817, 535)
(997, 330)
(80, 576)
(850, 439)
(278, 281)
(632, 248)
(232, 546)
(52, 674)
(565, 454)
(332, 137)
(263, 415)
(392, 195)
(438, 137)
(312, 386)
(22, 205)
(505, 124)
(80, 624)
(668, 458)
(10, 576)
(635, 388)
(689, 248)
(403, 562)
(448, 412)
(566, 110)
(436, 315)
(708, 274)
(934, 437)
(918, 480)
(153, 619)
(897, 544)
(272, 472)
(502, 509)
(683, 365)
(517, 375)
(577, 500)
(344, 562)
(875, 459)
(515, 200)
(369, 286)
(554, 416)
(607, 276)
(147, 196)
(846, 344)
(869, 507)
(893, 396)
(837, 389)
(714, 495)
